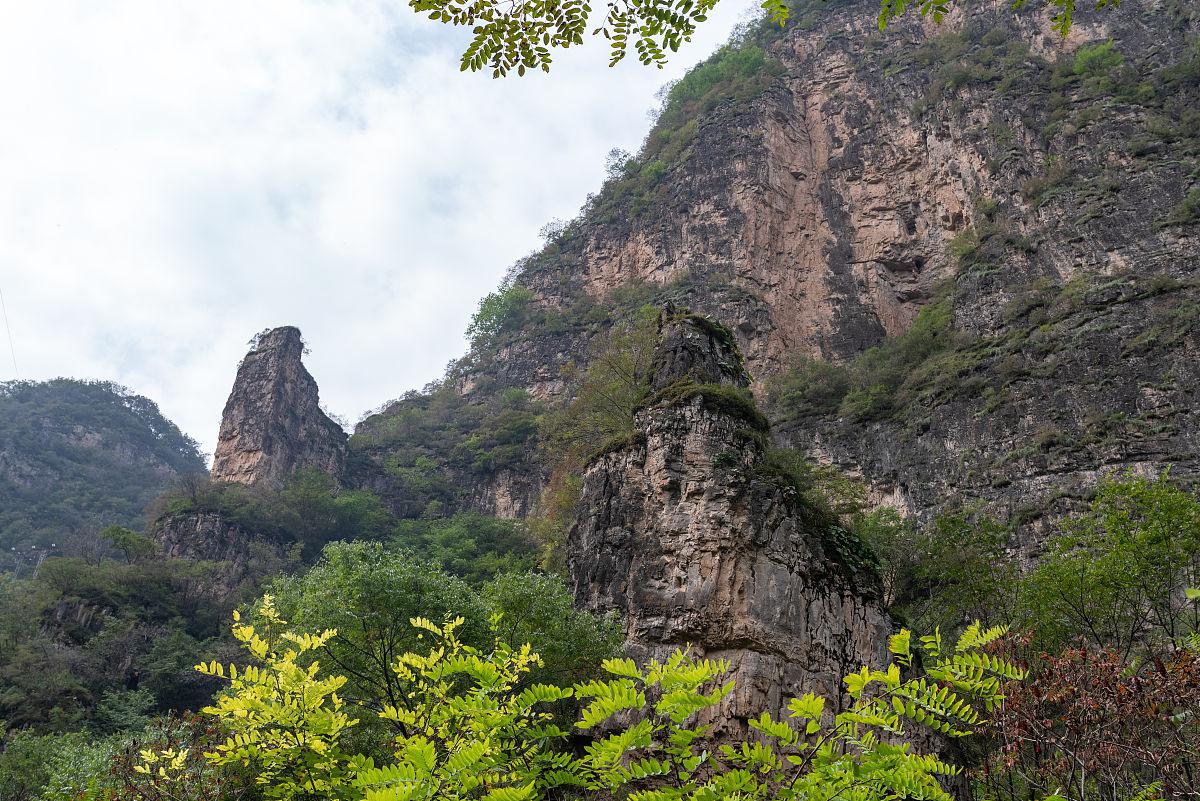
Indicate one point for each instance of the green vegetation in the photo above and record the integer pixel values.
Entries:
(1113, 576)
(472, 723)
(882, 381)
(1186, 213)
(733, 75)
(523, 36)
(1098, 59)
(607, 395)
(369, 593)
(101, 645)
(473, 546)
(427, 441)
(80, 455)
(502, 310)
(310, 509)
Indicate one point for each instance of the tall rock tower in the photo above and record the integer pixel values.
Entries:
(689, 532)
(273, 423)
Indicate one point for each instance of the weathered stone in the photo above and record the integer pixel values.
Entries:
(273, 424)
(685, 534)
(238, 560)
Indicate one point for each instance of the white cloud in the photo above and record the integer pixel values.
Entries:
(177, 176)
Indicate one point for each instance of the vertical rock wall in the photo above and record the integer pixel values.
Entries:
(686, 532)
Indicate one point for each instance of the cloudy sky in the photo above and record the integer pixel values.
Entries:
(176, 176)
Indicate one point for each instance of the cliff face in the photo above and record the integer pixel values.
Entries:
(686, 533)
(831, 181)
(816, 216)
(273, 424)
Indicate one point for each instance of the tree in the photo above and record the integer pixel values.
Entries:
(133, 545)
(369, 594)
(1117, 575)
(283, 717)
(1086, 725)
(607, 394)
(520, 35)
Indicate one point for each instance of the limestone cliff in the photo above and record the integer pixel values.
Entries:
(814, 189)
(686, 531)
(273, 424)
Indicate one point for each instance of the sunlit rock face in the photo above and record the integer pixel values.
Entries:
(685, 532)
(273, 424)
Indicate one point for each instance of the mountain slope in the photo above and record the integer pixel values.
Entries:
(815, 188)
(81, 454)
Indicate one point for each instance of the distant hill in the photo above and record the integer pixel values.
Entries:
(77, 455)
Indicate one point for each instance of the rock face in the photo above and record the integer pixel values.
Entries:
(817, 203)
(686, 532)
(273, 424)
(238, 561)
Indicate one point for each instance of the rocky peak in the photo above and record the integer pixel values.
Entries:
(694, 349)
(689, 532)
(273, 424)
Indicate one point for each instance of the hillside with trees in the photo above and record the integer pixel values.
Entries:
(843, 447)
(76, 456)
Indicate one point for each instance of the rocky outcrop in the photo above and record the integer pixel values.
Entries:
(687, 531)
(273, 424)
(235, 561)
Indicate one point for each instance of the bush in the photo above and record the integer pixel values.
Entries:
(1186, 213)
(1098, 59)
(811, 388)
(310, 508)
(369, 594)
(470, 725)
(26, 762)
(1131, 556)
(499, 311)
(472, 546)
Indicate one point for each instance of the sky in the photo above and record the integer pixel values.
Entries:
(178, 176)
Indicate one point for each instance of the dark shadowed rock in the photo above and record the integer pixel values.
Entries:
(236, 561)
(273, 423)
(693, 348)
(685, 532)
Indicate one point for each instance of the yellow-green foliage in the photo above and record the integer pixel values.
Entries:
(802, 756)
(469, 726)
(282, 716)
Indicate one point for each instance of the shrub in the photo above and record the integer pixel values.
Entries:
(1186, 213)
(811, 388)
(469, 725)
(1130, 557)
(1088, 725)
(499, 311)
(1098, 59)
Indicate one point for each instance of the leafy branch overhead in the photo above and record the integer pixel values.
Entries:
(520, 35)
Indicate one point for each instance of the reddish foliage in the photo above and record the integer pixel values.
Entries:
(199, 782)
(1089, 725)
